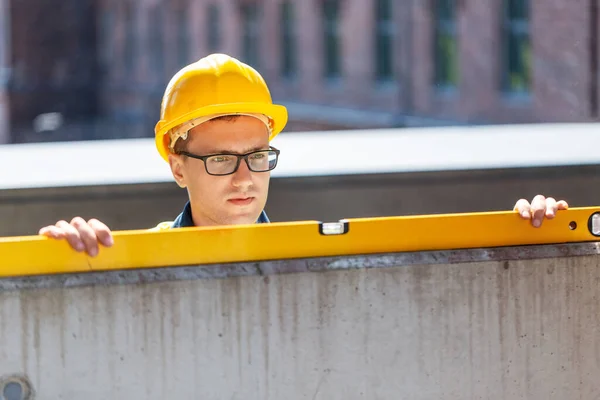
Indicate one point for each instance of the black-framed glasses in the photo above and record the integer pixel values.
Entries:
(226, 164)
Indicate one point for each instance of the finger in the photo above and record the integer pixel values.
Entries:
(102, 232)
(523, 207)
(538, 210)
(87, 235)
(52, 232)
(562, 205)
(551, 207)
(71, 234)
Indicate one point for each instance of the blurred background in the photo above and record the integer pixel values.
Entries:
(92, 70)
(102, 65)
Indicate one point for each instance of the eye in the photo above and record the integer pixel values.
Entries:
(257, 156)
(219, 159)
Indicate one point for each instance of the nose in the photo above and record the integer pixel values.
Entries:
(242, 178)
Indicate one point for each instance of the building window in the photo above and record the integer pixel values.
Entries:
(331, 47)
(183, 34)
(445, 45)
(251, 34)
(288, 40)
(107, 27)
(156, 47)
(516, 47)
(129, 19)
(5, 36)
(384, 38)
(212, 25)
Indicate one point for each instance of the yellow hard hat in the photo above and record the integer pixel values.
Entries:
(215, 85)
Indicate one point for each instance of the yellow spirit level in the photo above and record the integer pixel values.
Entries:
(37, 255)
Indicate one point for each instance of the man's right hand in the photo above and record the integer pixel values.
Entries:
(80, 234)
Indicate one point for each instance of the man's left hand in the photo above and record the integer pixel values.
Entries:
(539, 208)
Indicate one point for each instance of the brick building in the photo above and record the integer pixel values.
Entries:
(357, 63)
(516, 60)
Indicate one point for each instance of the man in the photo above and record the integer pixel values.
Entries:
(217, 120)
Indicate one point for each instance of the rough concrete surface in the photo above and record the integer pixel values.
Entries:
(519, 329)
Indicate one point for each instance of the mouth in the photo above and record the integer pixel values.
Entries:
(241, 201)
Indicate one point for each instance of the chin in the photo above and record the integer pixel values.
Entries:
(240, 215)
(244, 218)
(242, 221)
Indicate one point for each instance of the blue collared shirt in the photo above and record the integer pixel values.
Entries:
(185, 220)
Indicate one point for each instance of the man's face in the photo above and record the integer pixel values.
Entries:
(237, 198)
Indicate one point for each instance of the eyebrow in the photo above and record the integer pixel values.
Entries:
(250, 150)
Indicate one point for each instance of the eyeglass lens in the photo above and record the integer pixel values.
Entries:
(260, 161)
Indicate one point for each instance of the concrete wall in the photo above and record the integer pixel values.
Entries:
(142, 206)
(491, 323)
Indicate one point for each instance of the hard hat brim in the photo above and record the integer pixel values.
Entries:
(276, 113)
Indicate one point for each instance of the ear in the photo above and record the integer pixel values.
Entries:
(176, 163)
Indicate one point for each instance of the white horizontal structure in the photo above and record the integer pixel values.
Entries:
(399, 150)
